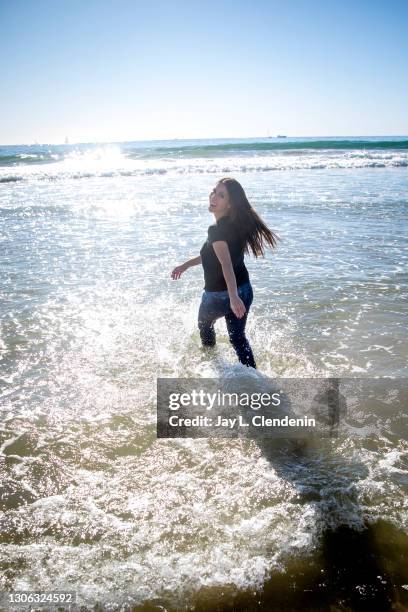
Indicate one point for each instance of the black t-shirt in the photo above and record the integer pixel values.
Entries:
(213, 275)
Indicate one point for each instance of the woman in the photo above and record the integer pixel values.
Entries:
(228, 292)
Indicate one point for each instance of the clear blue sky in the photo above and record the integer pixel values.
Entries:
(110, 70)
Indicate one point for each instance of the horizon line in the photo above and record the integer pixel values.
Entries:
(91, 142)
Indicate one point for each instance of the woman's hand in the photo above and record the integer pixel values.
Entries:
(237, 306)
(177, 272)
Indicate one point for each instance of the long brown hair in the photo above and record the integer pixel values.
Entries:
(252, 231)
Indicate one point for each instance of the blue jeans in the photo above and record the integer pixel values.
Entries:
(216, 304)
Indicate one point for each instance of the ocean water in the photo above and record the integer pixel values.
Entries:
(91, 500)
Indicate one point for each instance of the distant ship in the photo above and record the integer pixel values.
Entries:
(278, 136)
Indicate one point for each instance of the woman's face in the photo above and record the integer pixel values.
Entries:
(219, 201)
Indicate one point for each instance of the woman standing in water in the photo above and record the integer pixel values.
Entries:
(228, 292)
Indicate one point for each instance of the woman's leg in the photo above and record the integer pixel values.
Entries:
(236, 332)
(207, 332)
(236, 329)
(208, 313)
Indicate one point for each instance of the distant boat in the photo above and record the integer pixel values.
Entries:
(281, 136)
(66, 141)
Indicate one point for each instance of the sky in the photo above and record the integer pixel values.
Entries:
(120, 70)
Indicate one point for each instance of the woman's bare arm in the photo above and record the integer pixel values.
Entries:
(193, 262)
(222, 252)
